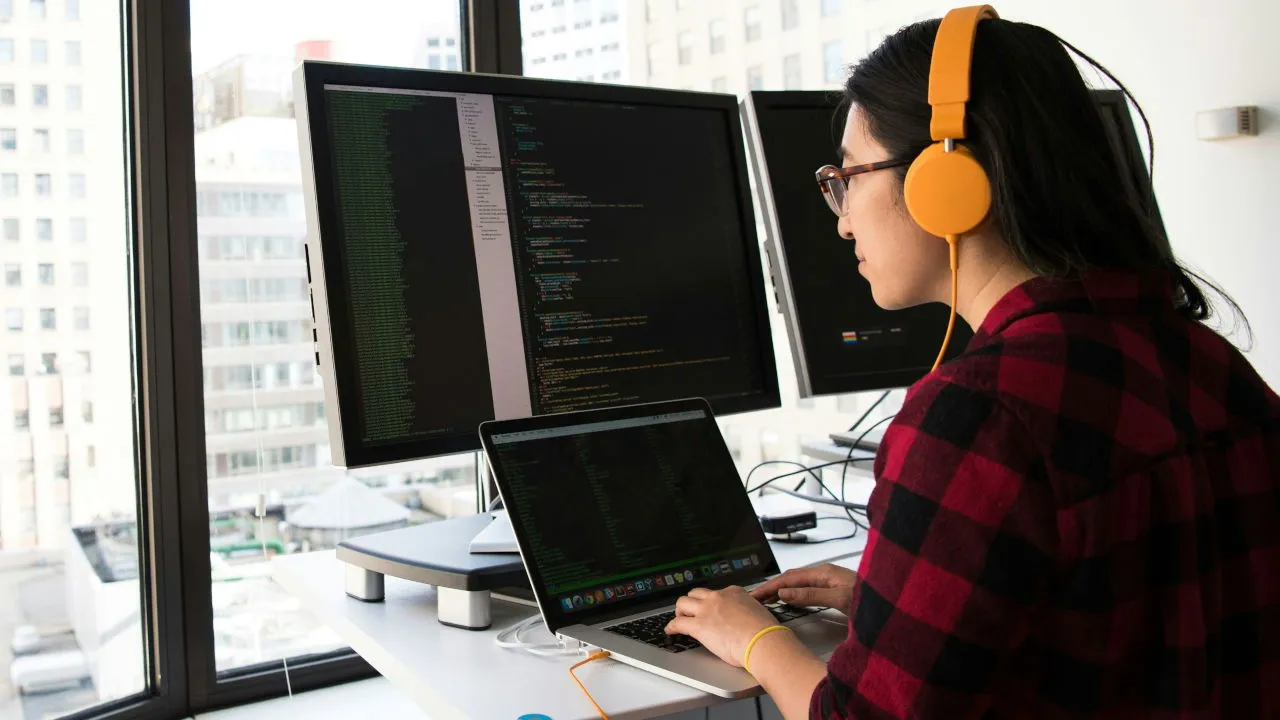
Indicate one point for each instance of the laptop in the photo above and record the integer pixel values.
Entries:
(618, 513)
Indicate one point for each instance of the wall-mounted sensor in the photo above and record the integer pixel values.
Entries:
(1226, 123)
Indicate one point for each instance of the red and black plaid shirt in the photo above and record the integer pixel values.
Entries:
(1078, 516)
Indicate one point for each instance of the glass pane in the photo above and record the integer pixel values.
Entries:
(70, 604)
(727, 46)
(264, 406)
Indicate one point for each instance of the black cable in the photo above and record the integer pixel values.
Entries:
(804, 469)
(874, 405)
(844, 473)
(823, 501)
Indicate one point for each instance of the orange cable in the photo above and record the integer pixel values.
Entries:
(954, 242)
(600, 655)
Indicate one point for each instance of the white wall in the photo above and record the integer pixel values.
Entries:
(1219, 199)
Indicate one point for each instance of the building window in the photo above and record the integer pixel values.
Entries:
(38, 10)
(73, 10)
(831, 7)
(79, 230)
(48, 319)
(9, 184)
(791, 79)
(17, 365)
(790, 15)
(80, 274)
(39, 52)
(44, 229)
(81, 318)
(75, 97)
(718, 29)
(6, 10)
(13, 319)
(21, 419)
(833, 62)
(86, 412)
(48, 363)
(6, 50)
(45, 273)
(755, 78)
(12, 275)
(91, 456)
(684, 44)
(12, 230)
(559, 56)
(720, 84)
(77, 183)
(43, 143)
(86, 362)
(751, 21)
(655, 64)
(557, 30)
(40, 95)
(434, 63)
(75, 141)
(8, 139)
(55, 417)
(44, 185)
(61, 468)
(8, 97)
(73, 53)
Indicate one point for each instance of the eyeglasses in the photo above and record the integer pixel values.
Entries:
(834, 181)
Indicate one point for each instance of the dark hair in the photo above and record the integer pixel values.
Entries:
(1061, 200)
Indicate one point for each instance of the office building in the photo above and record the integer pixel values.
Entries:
(586, 40)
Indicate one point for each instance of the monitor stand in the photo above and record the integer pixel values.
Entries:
(437, 554)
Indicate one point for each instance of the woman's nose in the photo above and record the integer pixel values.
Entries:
(845, 228)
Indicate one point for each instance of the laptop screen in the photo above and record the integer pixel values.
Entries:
(613, 509)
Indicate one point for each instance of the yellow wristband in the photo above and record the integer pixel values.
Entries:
(746, 656)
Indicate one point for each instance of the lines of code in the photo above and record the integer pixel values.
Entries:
(407, 258)
(632, 276)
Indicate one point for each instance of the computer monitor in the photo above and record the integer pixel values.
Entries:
(841, 341)
(484, 247)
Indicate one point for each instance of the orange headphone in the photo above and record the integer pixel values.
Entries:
(947, 191)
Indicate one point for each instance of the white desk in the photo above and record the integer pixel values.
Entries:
(452, 673)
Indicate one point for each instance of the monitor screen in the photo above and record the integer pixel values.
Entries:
(487, 247)
(842, 342)
(653, 488)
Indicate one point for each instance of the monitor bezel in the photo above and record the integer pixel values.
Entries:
(338, 372)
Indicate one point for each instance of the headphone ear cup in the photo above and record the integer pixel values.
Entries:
(947, 193)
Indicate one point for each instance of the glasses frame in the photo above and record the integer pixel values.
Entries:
(828, 175)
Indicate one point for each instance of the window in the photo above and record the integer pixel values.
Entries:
(85, 359)
(17, 365)
(48, 319)
(55, 417)
(751, 21)
(40, 95)
(79, 229)
(48, 363)
(8, 98)
(833, 62)
(451, 62)
(9, 184)
(45, 272)
(61, 467)
(720, 84)
(77, 183)
(42, 139)
(73, 10)
(6, 10)
(656, 65)
(685, 47)
(434, 62)
(557, 30)
(790, 15)
(6, 50)
(791, 79)
(80, 274)
(433, 42)
(44, 229)
(81, 315)
(12, 229)
(75, 142)
(717, 30)
(39, 52)
(13, 319)
(21, 419)
(75, 97)
(44, 185)
(8, 139)
(38, 10)
(831, 7)
(755, 78)
(73, 53)
(12, 275)
(86, 414)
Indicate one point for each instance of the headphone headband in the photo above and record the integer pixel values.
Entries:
(949, 71)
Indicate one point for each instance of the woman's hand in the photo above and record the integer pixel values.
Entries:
(821, 586)
(724, 621)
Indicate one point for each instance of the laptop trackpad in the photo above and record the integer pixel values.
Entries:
(821, 633)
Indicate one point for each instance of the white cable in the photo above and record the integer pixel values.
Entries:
(510, 640)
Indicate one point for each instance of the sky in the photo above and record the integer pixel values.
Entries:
(379, 32)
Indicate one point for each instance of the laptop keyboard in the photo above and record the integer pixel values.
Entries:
(649, 630)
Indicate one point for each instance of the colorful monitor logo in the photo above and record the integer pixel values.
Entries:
(850, 338)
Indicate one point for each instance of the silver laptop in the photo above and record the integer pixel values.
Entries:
(620, 512)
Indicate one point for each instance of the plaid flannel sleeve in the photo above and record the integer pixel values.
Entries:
(958, 553)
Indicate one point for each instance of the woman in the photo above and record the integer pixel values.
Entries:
(1080, 515)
